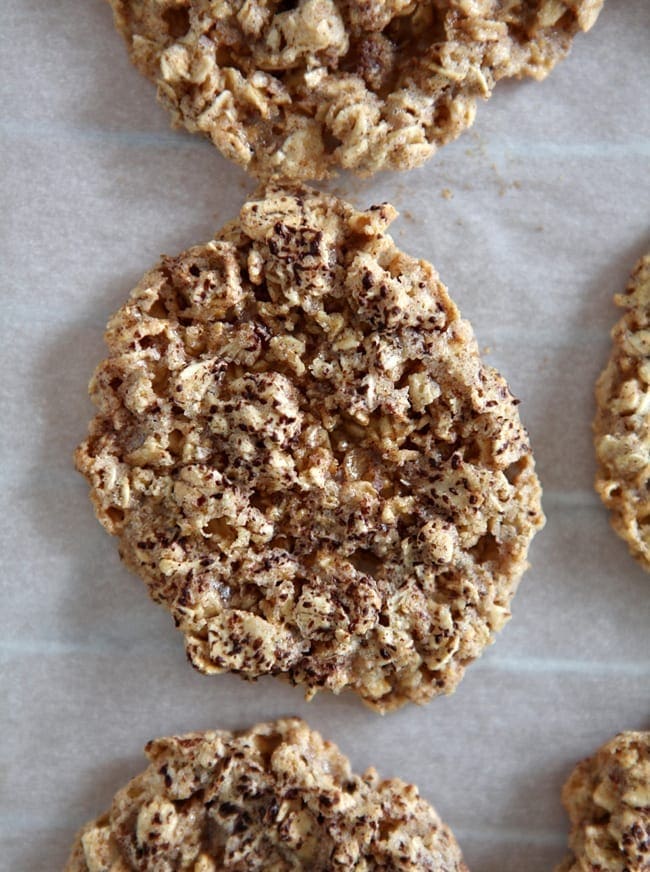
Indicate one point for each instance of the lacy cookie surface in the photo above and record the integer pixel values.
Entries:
(306, 460)
(275, 798)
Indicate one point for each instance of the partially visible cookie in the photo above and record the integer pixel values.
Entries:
(306, 460)
(297, 89)
(608, 800)
(622, 424)
(276, 797)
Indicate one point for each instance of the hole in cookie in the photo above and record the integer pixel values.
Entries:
(115, 383)
(411, 443)
(284, 543)
(365, 561)
(175, 441)
(224, 57)
(214, 839)
(115, 515)
(431, 676)
(413, 34)
(444, 450)
(387, 827)
(330, 142)
(248, 595)
(286, 6)
(160, 382)
(256, 501)
(220, 530)
(373, 58)
(177, 21)
(447, 584)
(404, 522)
(486, 549)
(513, 472)
(266, 745)
(644, 519)
(399, 31)
(410, 367)
(390, 489)
(442, 117)
(333, 305)
(261, 293)
(182, 302)
(566, 21)
(158, 310)
(472, 453)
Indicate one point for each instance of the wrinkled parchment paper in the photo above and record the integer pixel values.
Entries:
(546, 210)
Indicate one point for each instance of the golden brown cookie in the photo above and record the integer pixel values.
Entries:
(608, 801)
(299, 89)
(276, 797)
(305, 458)
(622, 424)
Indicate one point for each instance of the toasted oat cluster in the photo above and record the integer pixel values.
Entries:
(277, 798)
(608, 801)
(305, 458)
(298, 88)
(622, 424)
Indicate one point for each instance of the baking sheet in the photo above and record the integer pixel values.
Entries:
(547, 214)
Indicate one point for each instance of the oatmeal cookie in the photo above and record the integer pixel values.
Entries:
(297, 89)
(622, 424)
(305, 458)
(276, 797)
(608, 801)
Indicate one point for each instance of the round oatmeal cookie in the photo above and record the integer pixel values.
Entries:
(297, 89)
(608, 801)
(305, 459)
(622, 424)
(276, 797)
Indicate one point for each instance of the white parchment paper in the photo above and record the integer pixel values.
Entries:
(548, 212)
